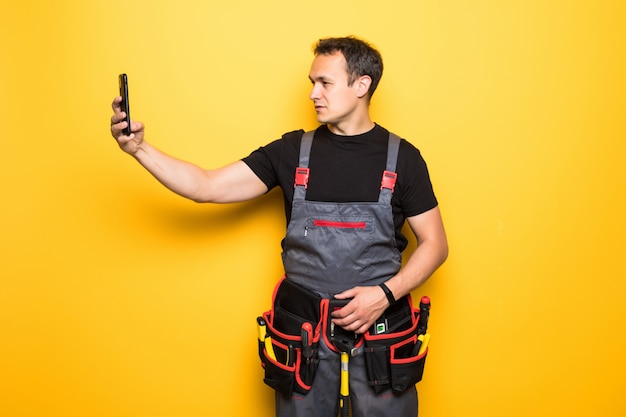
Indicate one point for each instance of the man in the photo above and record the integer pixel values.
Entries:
(343, 240)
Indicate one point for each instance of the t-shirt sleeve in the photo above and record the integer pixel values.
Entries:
(260, 162)
(416, 188)
(271, 161)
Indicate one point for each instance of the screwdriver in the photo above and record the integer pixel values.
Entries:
(307, 340)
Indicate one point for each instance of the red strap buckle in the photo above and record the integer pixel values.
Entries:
(389, 180)
(302, 177)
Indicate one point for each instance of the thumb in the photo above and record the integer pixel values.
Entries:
(136, 126)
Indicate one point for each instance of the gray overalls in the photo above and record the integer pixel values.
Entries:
(331, 247)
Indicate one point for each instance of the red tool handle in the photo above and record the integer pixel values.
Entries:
(424, 313)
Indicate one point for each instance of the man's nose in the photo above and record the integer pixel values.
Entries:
(315, 92)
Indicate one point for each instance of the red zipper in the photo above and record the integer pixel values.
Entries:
(340, 225)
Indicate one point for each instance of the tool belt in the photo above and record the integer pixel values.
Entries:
(291, 344)
(290, 334)
(395, 351)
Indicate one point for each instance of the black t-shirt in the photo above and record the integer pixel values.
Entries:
(347, 169)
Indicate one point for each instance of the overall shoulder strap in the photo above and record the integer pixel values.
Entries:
(388, 181)
(305, 148)
(392, 152)
(302, 171)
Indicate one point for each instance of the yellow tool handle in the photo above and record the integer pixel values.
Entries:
(269, 348)
(264, 338)
(344, 390)
(262, 331)
(424, 344)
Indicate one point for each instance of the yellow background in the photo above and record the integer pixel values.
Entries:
(118, 298)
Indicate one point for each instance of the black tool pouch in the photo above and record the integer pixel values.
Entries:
(391, 349)
(290, 364)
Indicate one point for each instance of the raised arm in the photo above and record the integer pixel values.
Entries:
(232, 183)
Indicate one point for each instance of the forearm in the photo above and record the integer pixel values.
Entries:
(431, 252)
(181, 177)
(232, 183)
(422, 263)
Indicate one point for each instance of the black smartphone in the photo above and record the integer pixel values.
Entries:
(123, 79)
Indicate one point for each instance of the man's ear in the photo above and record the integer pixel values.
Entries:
(363, 85)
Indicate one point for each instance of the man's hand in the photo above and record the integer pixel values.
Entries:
(367, 305)
(129, 144)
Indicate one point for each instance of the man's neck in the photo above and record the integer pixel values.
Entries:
(352, 128)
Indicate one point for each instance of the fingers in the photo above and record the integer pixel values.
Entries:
(362, 311)
(351, 293)
(136, 129)
(351, 307)
(348, 316)
(117, 102)
(128, 143)
(118, 119)
(118, 116)
(118, 122)
(116, 105)
(363, 328)
(353, 323)
(117, 126)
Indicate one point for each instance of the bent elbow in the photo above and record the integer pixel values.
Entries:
(443, 251)
(444, 254)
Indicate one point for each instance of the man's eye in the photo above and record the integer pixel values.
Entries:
(322, 82)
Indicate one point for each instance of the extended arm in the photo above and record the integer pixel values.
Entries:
(369, 303)
(232, 183)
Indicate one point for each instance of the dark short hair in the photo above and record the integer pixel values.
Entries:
(362, 58)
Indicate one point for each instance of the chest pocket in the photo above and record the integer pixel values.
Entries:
(340, 236)
(336, 244)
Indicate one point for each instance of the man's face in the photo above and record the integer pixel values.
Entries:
(335, 101)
